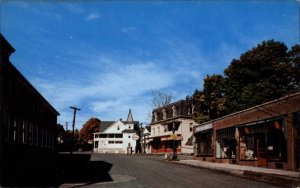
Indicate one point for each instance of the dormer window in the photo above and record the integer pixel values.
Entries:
(193, 109)
(174, 111)
(189, 110)
(155, 116)
(164, 111)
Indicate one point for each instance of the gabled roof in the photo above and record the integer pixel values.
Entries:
(105, 124)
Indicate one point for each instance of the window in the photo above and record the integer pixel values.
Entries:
(226, 143)
(111, 136)
(174, 111)
(96, 135)
(191, 127)
(119, 142)
(111, 142)
(118, 128)
(155, 116)
(119, 135)
(103, 136)
(263, 141)
(164, 111)
(96, 144)
(204, 143)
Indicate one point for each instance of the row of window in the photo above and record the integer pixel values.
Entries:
(109, 142)
(25, 132)
(157, 129)
(190, 111)
(108, 135)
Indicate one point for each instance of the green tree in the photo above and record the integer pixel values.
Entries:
(211, 102)
(261, 74)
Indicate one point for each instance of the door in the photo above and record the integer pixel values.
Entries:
(261, 151)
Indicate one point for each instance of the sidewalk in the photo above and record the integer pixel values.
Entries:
(275, 176)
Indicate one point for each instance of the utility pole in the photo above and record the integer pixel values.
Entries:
(73, 125)
(174, 157)
(66, 126)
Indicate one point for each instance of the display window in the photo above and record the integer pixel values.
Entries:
(263, 141)
(226, 143)
(204, 143)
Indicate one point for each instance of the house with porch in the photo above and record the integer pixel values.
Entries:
(117, 136)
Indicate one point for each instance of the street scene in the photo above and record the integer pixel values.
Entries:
(149, 94)
(153, 171)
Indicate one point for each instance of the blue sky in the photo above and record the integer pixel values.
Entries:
(106, 57)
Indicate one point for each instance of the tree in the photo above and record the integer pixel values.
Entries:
(261, 74)
(294, 58)
(160, 99)
(211, 102)
(90, 127)
(201, 113)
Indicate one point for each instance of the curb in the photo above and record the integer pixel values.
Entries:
(273, 179)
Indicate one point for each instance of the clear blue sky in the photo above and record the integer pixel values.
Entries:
(106, 57)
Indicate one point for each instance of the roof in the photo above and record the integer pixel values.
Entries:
(105, 124)
(129, 131)
(129, 118)
(251, 108)
(5, 47)
(190, 141)
(148, 128)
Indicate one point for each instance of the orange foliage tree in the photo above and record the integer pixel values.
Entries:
(90, 127)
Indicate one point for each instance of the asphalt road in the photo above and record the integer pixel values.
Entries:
(116, 170)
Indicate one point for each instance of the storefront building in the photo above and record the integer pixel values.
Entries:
(266, 135)
(171, 128)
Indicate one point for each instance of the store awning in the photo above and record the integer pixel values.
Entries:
(262, 121)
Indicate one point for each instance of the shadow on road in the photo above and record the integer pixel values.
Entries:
(78, 168)
(68, 169)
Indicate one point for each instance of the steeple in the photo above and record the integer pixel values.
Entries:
(129, 118)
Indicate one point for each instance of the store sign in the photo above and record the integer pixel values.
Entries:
(171, 137)
(203, 127)
(135, 137)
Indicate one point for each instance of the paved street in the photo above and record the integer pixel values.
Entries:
(153, 171)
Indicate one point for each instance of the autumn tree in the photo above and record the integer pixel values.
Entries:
(90, 127)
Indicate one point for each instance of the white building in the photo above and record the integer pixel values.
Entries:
(116, 136)
(146, 146)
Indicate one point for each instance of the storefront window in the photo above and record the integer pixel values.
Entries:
(204, 143)
(265, 140)
(226, 143)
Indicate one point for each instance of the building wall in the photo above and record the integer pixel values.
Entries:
(28, 129)
(178, 112)
(284, 107)
(186, 128)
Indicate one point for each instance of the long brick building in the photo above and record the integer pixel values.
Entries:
(266, 135)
